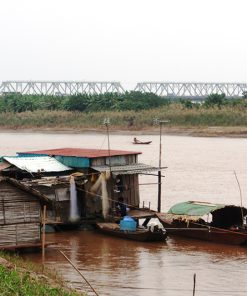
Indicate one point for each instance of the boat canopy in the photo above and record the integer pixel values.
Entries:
(222, 215)
(194, 208)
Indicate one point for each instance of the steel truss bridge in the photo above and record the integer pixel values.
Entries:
(171, 90)
(192, 90)
(59, 87)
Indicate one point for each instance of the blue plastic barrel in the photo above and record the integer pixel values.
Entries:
(128, 223)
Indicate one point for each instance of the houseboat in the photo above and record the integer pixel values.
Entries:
(216, 223)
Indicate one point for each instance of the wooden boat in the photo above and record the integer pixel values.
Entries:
(206, 221)
(140, 234)
(142, 143)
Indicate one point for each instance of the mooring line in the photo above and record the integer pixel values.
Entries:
(79, 272)
(110, 199)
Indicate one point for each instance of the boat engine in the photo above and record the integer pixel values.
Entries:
(156, 227)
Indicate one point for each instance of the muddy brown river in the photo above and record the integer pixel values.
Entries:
(199, 169)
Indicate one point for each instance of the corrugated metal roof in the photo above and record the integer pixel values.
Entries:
(4, 165)
(80, 152)
(138, 168)
(37, 164)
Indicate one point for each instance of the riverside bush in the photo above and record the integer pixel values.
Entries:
(130, 119)
(15, 283)
(22, 278)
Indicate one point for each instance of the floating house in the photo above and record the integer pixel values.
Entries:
(106, 175)
(20, 215)
(76, 185)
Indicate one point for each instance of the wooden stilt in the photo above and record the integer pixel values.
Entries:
(43, 236)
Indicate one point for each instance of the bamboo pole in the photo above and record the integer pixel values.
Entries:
(160, 122)
(194, 284)
(71, 263)
(241, 199)
(159, 172)
(43, 236)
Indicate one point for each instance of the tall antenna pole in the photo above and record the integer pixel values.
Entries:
(160, 122)
(107, 123)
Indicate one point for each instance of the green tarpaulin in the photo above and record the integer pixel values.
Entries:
(193, 208)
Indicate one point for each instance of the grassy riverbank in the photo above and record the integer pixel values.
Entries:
(22, 278)
(226, 120)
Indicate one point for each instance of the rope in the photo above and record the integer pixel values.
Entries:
(221, 229)
(100, 196)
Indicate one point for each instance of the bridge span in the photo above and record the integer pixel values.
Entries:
(192, 90)
(59, 87)
(172, 90)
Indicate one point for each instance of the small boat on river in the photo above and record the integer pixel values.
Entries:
(138, 142)
(143, 143)
(216, 223)
(129, 228)
(140, 234)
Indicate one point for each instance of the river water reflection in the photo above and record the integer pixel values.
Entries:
(198, 169)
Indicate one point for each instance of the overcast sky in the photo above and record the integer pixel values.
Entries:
(124, 40)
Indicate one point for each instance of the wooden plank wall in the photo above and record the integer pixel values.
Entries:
(19, 216)
(19, 234)
(131, 192)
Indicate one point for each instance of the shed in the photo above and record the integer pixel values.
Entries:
(20, 215)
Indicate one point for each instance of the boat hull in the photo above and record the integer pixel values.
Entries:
(144, 235)
(210, 234)
(142, 143)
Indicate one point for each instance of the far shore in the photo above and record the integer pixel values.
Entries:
(214, 131)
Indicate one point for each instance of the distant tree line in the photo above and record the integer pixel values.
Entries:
(133, 100)
(82, 102)
(216, 101)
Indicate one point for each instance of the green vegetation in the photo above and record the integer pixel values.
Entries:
(82, 102)
(176, 113)
(217, 100)
(131, 110)
(21, 278)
